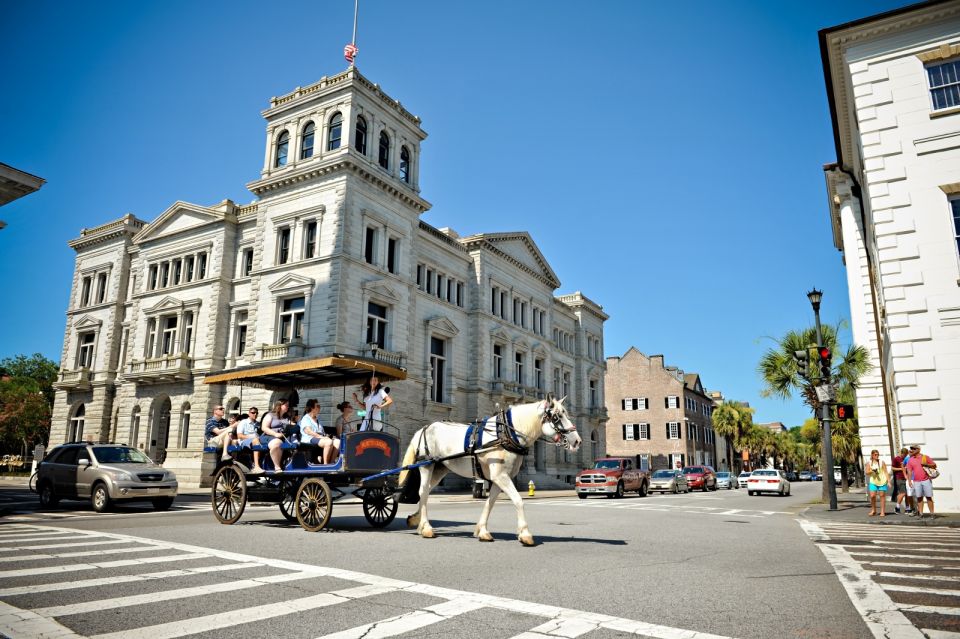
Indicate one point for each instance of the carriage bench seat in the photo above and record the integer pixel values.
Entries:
(234, 448)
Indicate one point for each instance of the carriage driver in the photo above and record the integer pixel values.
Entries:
(247, 436)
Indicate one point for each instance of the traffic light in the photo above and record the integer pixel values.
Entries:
(802, 358)
(844, 411)
(824, 353)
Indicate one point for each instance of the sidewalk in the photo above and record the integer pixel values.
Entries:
(852, 507)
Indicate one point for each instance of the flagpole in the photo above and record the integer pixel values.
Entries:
(356, 10)
(350, 51)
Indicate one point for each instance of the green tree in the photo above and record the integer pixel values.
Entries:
(732, 419)
(778, 370)
(26, 401)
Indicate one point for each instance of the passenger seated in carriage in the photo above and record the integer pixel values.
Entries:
(247, 436)
(312, 433)
(347, 415)
(273, 431)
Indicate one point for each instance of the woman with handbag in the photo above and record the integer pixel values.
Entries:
(879, 479)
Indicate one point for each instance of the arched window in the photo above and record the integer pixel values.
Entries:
(405, 164)
(360, 142)
(334, 131)
(76, 424)
(306, 146)
(384, 156)
(283, 144)
(184, 425)
(135, 427)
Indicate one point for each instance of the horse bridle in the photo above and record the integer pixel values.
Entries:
(556, 421)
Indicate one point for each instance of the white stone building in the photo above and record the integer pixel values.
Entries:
(894, 200)
(331, 258)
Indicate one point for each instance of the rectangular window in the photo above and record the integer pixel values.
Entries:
(152, 278)
(538, 374)
(177, 271)
(955, 205)
(441, 285)
(85, 350)
(168, 339)
(944, 84)
(518, 367)
(460, 294)
(438, 362)
(556, 381)
(392, 255)
(672, 401)
(101, 287)
(370, 245)
(188, 268)
(429, 281)
(523, 314)
(283, 245)
(420, 269)
(516, 311)
(247, 259)
(644, 431)
(635, 403)
(201, 266)
(593, 393)
(310, 240)
(566, 384)
(165, 275)
(449, 290)
(673, 430)
(494, 299)
(187, 345)
(291, 320)
(151, 342)
(630, 432)
(497, 361)
(85, 291)
(503, 305)
(377, 324)
(240, 344)
(676, 460)
(645, 462)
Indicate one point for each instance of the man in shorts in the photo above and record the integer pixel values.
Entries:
(247, 436)
(900, 480)
(922, 484)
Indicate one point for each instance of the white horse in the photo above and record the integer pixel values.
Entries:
(530, 422)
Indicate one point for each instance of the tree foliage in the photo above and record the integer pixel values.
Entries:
(26, 401)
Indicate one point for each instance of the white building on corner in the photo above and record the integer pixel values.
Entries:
(893, 82)
(331, 258)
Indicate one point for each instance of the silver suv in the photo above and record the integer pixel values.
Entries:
(103, 473)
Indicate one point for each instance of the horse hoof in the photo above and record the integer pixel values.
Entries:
(485, 537)
(526, 540)
(413, 521)
(427, 533)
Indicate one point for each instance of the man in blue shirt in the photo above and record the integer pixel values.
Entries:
(218, 432)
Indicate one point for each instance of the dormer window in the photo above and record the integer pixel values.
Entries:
(306, 146)
(283, 144)
(360, 139)
(405, 164)
(384, 156)
(334, 131)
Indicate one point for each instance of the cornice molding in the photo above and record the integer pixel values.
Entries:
(943, 52)
(128, 225)
(951, 189)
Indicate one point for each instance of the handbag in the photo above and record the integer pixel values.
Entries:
(932, 473)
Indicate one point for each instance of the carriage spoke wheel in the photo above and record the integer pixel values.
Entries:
(229, 495)
(288, 499)
(379, 506)
(313, 504)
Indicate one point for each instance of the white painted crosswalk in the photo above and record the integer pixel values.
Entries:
(36, 601)
(905, 580)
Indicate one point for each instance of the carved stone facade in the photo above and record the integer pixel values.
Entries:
(896, 218)
(332, 258)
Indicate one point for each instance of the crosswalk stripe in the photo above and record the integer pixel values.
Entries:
(896, 542)
(941, 634)
(49, 570)
(23, 624)
(908, 575)
(932, 610)
(900, 564)
(169, 595)
(220, 620)
(893, 547)
(408, 622)
(72, 544)
(29, 537)
(953, 592)
(569, 628)
(82, 553)
(872, 553)
(117, 579)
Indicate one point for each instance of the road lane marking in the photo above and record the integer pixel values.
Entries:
(117, 579)
(932, 610)
(72, 544)
(408, 622)
(49, 570)
(909, 575)
(882, 616)
(952, 592)
(23, 624)
(83, 553)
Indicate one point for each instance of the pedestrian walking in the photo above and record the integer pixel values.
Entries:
(920, 468)
(878, 481)
(900, 482)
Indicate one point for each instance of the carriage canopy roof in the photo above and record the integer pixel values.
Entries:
(316, 372)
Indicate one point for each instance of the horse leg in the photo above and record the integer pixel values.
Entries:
(413, 521)
(425, 529)
(505, 482)
(481, 532)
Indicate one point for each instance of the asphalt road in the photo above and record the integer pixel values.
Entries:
(720, 563)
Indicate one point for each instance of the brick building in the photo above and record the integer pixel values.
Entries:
(657, 413)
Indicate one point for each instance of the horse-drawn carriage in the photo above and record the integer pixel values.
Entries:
(303, 488)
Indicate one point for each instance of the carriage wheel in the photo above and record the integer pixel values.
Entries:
(313, 504)
(379, 506)
(288, 499)
(229, 494)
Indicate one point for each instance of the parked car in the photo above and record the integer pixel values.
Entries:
(104, 474)
(805, 475)
(668, 480)
(612, 476)
(701, 477)
(742, 479)
(768, 480)
(816, 475)
(791, 476)
(726, 480)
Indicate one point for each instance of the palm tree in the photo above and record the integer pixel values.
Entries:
(732, 419)
(778, 369)
(754, 440)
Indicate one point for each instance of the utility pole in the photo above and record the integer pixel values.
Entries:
(825, 418)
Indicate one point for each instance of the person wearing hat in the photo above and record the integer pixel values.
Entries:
(922, 483)
(900, 481)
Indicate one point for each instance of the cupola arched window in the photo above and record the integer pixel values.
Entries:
(306, 146)
(334, 130)
(360, 143)
(283, 145)
(404, 164)
(383, 157)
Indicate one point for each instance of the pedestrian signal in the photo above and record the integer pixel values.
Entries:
(844, 411)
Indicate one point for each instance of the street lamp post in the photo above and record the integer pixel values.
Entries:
(815, 296)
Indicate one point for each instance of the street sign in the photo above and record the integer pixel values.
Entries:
(39, 451)
(826, 393)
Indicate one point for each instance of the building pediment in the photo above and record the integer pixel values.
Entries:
(382, 289)
(181, 216)
(443, 325)
(87, 322)
(519, 249)
(170, 303)
(499, 335)
(291, 282)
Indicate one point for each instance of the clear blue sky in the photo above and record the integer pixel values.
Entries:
(665, 156)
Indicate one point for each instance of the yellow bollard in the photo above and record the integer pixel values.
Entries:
(530, 488)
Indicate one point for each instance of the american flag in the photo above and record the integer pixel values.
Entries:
(349, 52)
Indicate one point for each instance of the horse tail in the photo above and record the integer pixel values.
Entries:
(409, 457)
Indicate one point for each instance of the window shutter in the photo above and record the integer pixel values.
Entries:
(666, 402)
(636, 431)
(624, 432)
(623, 404)
(668, 430)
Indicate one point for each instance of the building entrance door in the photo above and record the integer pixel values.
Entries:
(159, 432)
